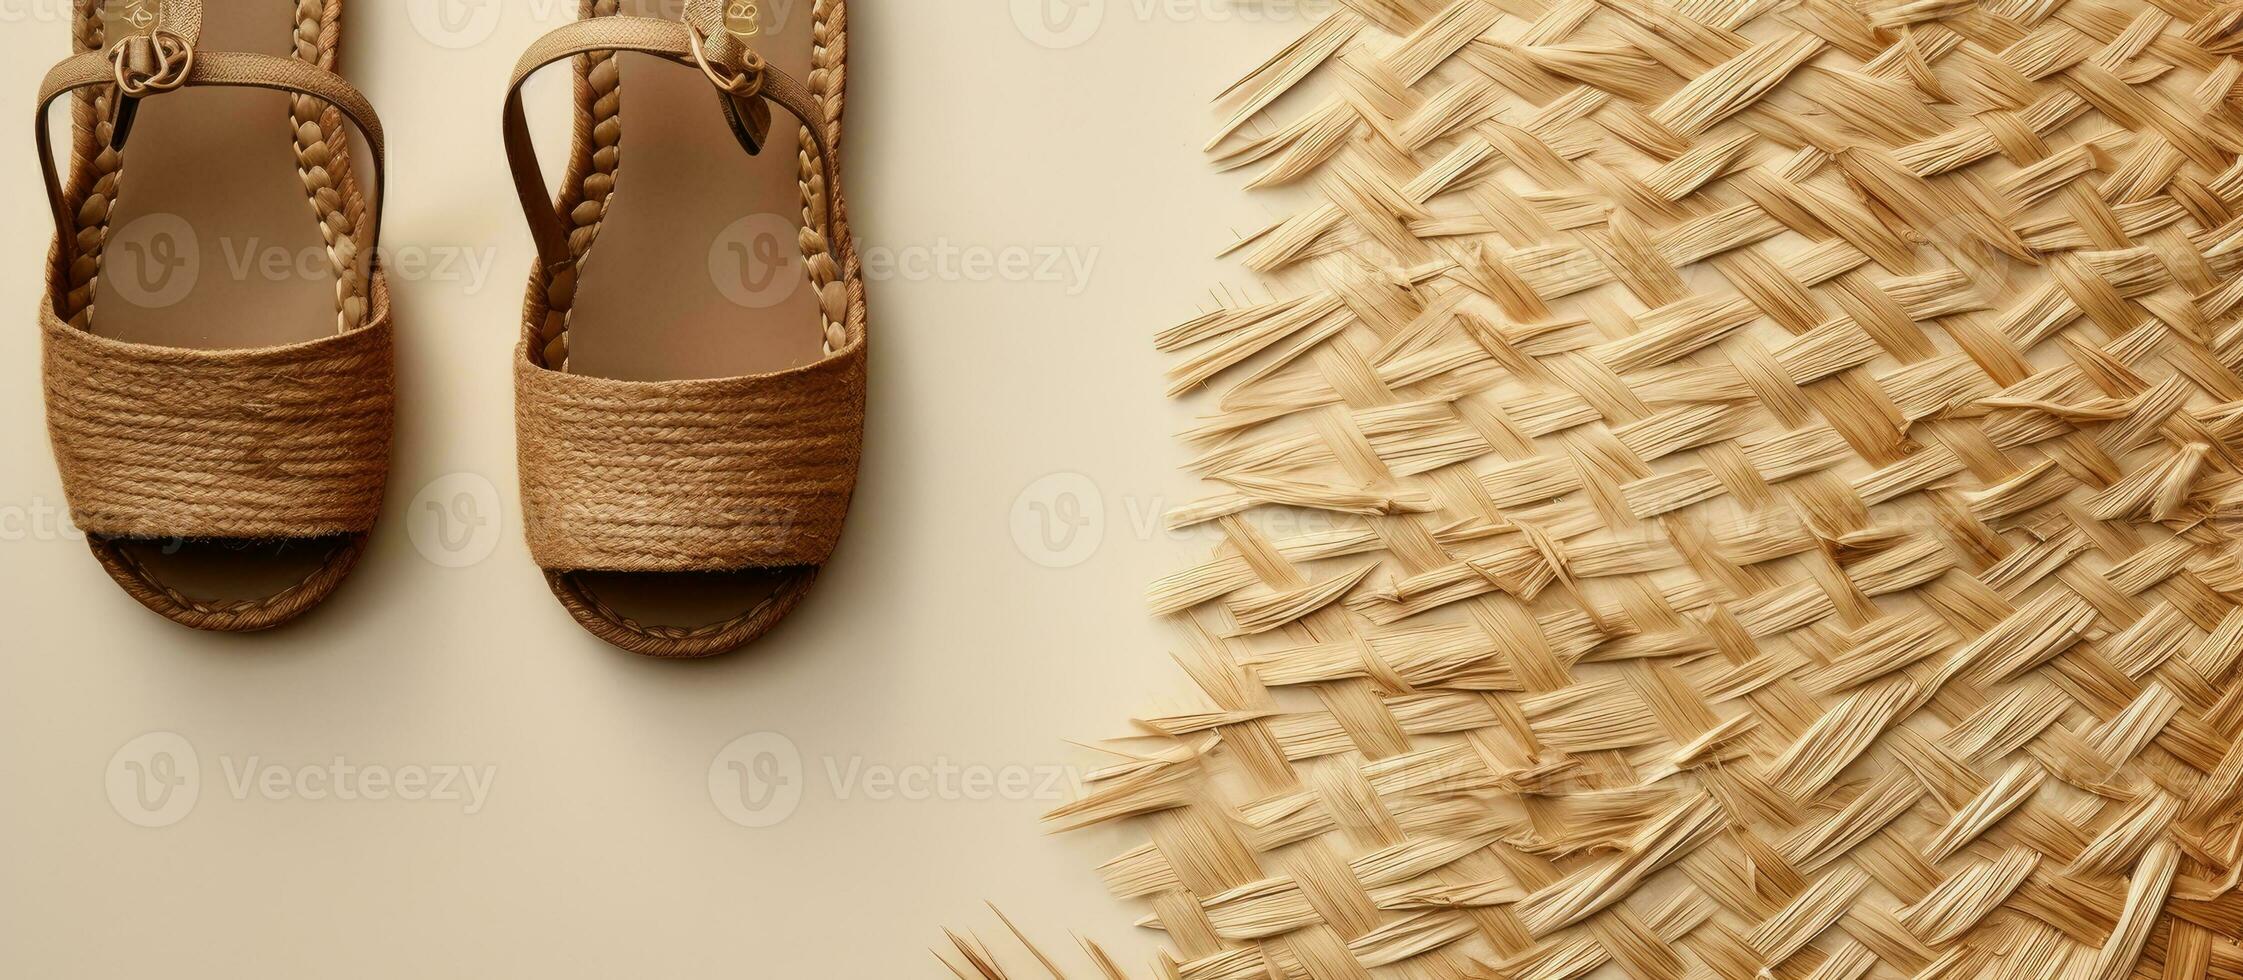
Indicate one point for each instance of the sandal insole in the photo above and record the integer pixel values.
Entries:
(213, 242)
(697, 269)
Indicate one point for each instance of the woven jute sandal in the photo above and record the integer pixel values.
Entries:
(690, 393)
(217, 342)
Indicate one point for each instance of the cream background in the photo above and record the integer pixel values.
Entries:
(933, 636)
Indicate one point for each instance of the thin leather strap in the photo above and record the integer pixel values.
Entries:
(669, 40)
(215, 68)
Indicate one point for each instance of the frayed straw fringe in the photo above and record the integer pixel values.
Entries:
(969, 958)
(1761, 485)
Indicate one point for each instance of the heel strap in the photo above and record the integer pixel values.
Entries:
(750, 76)
(231, 69)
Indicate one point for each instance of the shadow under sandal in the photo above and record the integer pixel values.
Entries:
(223, 437)
(689, 430)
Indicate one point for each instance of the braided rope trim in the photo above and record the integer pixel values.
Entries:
(95, 172)
(828, 85)
(593, 157)
(323, 161)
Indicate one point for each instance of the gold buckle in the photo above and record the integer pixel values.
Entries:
(746, 84)
(175, 58)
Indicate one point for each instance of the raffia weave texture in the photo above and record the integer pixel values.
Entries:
(752, 472)
(276, 442)
(1781, 462)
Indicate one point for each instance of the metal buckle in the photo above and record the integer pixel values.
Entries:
(746, 84)
(175, 58)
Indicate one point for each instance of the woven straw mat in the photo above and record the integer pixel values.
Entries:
(1779, 468)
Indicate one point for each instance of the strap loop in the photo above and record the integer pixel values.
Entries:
(747, 83)
(173, 58)
(146, 64)
(738, 91)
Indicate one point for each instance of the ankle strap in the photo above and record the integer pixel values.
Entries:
(740, 75)
(213, 68)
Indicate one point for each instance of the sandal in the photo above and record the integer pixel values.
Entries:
(221, 423)
(689, 394)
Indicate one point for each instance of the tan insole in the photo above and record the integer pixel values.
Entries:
(213, 244)
(697, 271)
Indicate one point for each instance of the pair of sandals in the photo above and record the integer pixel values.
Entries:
(689, 394)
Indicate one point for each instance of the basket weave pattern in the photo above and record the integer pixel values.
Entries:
(1781, 463)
